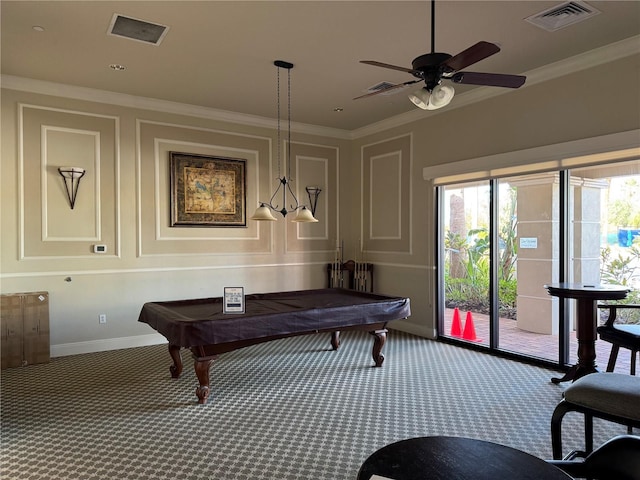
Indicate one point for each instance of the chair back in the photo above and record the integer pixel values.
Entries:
(617, 459)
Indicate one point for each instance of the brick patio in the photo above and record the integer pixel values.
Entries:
(514, 339)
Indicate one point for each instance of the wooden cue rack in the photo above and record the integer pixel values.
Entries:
(351, 275)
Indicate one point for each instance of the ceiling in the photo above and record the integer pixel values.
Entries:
(220, 54)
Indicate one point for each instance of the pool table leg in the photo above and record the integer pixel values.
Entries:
(335, 340)
(201, 366)
(378, 343)
(176, 368)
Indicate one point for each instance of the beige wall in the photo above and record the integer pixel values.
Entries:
(374, 198)
(123, 202)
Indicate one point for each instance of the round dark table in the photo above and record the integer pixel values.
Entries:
(456, 458)
(586, 297)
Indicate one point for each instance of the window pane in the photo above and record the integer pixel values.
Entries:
(605, 240)
(466, 270)
(528, 259)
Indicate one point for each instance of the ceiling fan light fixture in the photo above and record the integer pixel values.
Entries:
(420, 98)
(440, 97)
(434, 67)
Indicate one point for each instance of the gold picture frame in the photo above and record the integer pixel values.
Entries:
(207, 191)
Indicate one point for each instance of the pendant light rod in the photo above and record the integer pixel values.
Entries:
(288, 66)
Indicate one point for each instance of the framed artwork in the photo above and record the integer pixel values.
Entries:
(207, 191)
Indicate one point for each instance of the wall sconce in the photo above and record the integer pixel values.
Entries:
(71, 176)
(313, 193)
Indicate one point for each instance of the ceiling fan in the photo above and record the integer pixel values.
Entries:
(434, 67)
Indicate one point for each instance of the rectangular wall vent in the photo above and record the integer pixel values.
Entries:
(562, 15)
(139, 30)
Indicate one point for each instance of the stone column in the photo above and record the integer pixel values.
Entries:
(538, 251)
(587, 230)
(538, 244)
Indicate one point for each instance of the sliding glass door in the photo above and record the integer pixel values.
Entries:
(501, 240)
(499, 250)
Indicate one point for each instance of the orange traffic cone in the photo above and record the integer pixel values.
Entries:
(456, 326)
(469, 332)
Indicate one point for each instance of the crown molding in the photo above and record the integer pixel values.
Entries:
(42, 87)
(593, 58)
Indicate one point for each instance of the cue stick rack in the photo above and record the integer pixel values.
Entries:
(351, 275)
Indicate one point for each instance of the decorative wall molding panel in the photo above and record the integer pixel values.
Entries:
(315, 165)
(386, 173)
(155, 141)
(47, 139)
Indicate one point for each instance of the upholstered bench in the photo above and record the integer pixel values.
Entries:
(611, 396)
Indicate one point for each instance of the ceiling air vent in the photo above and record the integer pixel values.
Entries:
(139, 30)
(382, 86)
(562, 16)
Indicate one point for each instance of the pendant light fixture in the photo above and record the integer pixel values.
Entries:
(264, 210)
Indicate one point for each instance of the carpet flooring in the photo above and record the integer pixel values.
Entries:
(290, 409)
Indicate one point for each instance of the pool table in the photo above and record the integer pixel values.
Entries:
(201, 325)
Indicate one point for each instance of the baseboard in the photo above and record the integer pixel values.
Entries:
(92, 346)
(412, 328)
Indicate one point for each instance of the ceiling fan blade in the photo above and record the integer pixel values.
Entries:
(471, 55)
(489, 79)
(392, 67)
(383, 90)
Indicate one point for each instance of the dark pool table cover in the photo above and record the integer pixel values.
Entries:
(190, 323)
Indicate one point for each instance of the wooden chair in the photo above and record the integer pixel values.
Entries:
(610, 396)
(619, 335)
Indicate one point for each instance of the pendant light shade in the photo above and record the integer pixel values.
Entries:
(263, 213)
(304, 215)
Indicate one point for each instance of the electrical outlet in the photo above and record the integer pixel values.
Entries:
(102, 318)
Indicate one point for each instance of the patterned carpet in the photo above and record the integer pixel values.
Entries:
(290, 409)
